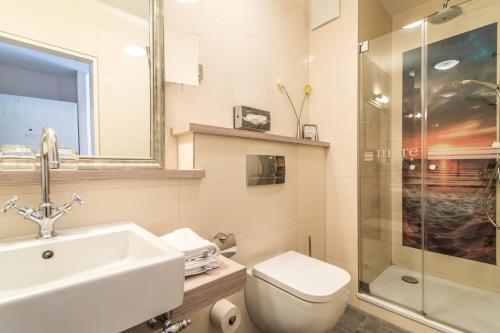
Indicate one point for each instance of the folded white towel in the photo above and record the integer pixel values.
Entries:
(201, 265)
(193, 246)
(200, 254)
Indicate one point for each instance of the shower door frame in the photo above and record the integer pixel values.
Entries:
(421, 316)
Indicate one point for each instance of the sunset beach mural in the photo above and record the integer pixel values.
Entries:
(459, 118)
(454, 220)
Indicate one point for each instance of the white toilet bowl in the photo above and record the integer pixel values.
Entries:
(293, 293)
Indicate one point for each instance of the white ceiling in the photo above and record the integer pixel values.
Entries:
(395, 7)
(39, 61)
(139, 8)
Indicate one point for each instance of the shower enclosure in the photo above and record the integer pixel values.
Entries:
(428, 123)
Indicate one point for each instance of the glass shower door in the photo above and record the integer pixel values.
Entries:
(390, 169)
(461, 257)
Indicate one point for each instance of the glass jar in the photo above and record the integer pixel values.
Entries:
(17, 158)
(68, 158)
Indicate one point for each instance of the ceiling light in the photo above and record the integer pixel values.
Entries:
(413, 25)
(382, 99)
(447, 64)
(134, 50)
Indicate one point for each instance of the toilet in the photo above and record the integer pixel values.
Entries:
(293, 293)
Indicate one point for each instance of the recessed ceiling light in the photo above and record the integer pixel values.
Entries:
(134, 50)
(447, 64)
(413, 25)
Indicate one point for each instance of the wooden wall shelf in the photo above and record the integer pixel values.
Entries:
(33, 177)
(236, 133)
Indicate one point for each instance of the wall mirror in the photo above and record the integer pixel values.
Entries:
(92, 70)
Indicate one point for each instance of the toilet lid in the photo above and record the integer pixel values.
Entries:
(304, 277)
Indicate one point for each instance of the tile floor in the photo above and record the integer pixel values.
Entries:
(357, 321)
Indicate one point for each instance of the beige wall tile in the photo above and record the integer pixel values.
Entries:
(245, 47)
(341, 198)
(333, 102)
(333, 106)
(252, 250)
(342, 240)
(311, 199)
(343, 162)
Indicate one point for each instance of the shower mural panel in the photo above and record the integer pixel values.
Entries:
(455, 223)
(459, 118)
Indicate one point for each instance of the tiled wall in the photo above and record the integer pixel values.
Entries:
(267, 220)
(245, 46)
(333, 106)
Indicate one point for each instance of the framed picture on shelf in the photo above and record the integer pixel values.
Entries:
(310, 132)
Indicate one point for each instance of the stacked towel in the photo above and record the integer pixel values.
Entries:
(201, 255)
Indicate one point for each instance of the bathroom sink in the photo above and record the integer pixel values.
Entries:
(95, 279)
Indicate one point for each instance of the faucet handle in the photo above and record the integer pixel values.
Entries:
(10, 204)
(64, 209)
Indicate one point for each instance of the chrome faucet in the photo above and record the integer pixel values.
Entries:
(48, 213)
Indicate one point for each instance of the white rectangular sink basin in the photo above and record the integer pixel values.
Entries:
(100, 279)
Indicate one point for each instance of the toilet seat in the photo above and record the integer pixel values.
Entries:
(304, 277)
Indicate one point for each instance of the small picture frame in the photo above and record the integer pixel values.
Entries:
(310, 132)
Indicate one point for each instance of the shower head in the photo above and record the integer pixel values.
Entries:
(463, 83)
(446, 14)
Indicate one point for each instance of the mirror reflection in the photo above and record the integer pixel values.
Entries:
(90, 81)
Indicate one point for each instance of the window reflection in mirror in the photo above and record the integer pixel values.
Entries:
(37, 89)
(82, 67)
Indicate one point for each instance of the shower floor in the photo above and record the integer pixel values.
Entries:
(452, 303)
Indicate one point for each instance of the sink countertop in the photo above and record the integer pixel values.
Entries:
(205, 289)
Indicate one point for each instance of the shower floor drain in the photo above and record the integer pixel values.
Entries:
(409, 279)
